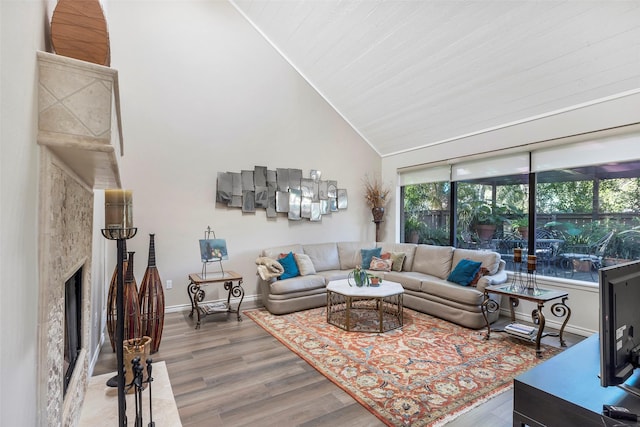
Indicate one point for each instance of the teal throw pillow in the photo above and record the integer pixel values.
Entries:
(288, 262)
(367, 256)
(465, 272)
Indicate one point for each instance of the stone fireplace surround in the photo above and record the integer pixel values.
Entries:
(75, 103)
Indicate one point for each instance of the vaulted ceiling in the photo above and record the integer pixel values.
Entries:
(407, 74)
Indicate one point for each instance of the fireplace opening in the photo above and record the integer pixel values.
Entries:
(72, 324)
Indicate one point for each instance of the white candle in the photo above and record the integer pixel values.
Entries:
(118, 209)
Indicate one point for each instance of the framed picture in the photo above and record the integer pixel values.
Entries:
(213, 250)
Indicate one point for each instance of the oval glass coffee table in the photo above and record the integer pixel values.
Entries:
(364, 309)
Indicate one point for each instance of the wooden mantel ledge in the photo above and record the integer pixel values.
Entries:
(76, 105)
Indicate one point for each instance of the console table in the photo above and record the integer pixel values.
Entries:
(232, 284)
(565, 391)
(540, 297)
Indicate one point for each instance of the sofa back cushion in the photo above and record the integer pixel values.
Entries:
(276, 252)
(324, 256)
(409, 250)
(349, 253)
(433, 260)
(490, 260)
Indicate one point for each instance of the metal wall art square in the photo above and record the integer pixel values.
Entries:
(281, 191)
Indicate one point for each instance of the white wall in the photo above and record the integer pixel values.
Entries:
(202, 93)
(22, 32)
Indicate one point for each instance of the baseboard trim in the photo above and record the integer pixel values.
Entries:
(249, 301)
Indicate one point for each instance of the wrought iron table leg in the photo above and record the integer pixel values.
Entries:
(560, 309)
(538, 318)
(237, 291)
(488, 306)
(513, 303)
(190, 293)
(348, 312)
(380, 313)
(196, 294)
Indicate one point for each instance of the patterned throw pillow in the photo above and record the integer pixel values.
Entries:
(380, 264)
(482, 272)
(396, 257)
(305, 265)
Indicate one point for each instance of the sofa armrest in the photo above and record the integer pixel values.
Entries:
(494, 279)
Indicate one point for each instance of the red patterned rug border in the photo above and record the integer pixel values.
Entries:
(265, 320)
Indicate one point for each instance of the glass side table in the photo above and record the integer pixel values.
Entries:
(539, 296)
(232, 284)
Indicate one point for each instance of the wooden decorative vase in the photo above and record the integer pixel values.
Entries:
(112, 309)
(152, 300)
(132, 326)
(79, 30)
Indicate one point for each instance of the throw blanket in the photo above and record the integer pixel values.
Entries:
(268, 268)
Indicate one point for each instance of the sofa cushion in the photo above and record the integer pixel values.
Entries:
(367, 256)
(296, 284)
(453, 292)
(490, 260)
(304, 264)
(276, 251)
(464, 272)
(288, 262)
(349, 253)
(324, 256)
(433, 260)
(330, 275)
(409, 250)
(408, 279)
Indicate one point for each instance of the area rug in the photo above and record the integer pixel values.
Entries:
(425, 374)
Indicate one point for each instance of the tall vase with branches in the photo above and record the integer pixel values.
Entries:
(377, 196)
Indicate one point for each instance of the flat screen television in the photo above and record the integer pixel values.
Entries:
(619, 323)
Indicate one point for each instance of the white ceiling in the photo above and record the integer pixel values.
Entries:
(407, 74)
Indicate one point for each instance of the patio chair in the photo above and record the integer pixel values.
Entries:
(547, 250)
(593, 255)
(505, 246)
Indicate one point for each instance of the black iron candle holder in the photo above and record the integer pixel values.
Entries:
(120, 235)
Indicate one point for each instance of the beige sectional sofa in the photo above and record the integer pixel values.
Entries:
(423, 275)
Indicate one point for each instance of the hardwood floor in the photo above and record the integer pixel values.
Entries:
(232, 373)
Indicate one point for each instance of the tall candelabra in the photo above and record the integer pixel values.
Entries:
(528, 283)
(120, 235)
(119, 227)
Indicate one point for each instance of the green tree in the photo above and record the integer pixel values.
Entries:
(567, 196)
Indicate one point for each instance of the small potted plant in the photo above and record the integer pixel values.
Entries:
(487, 220)
(359, 277)
(521, 226)
(375, 280)
(412, 230)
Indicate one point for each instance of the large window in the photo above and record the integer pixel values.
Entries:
(594, 213)
(426, 213)
(491, 211)
(575, 219)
